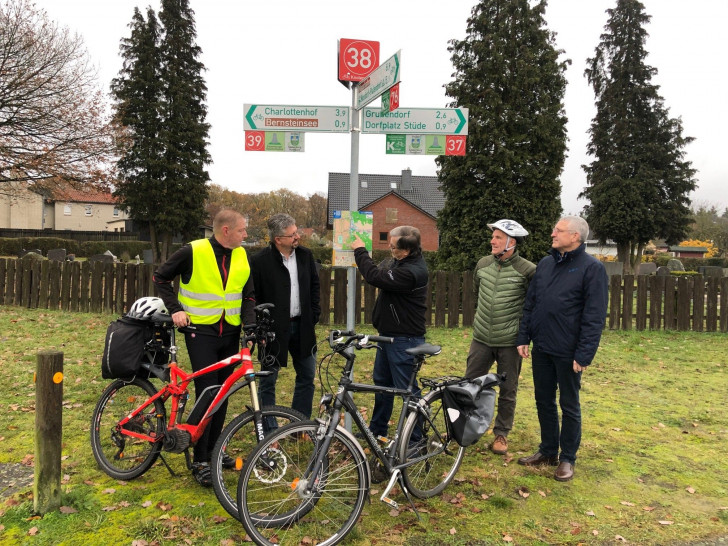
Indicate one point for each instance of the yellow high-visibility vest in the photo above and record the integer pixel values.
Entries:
(203, 298)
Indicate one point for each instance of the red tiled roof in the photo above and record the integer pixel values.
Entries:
(85, 195)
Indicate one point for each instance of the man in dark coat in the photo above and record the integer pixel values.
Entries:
(284, 274)
(563, 315)
(399, 312)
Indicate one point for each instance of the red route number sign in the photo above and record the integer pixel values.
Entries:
(455, 145)
(357, 59)
(255, 141)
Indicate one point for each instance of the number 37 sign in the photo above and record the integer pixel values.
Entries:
(357, 59)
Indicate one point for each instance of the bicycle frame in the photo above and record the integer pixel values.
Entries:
(176, 388)
(344, 400)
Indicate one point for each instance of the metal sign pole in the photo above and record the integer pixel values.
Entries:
(353, 207)
(353, 199)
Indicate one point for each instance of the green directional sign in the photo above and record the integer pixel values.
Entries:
(378, 81)
(426, 121)
(281, 117)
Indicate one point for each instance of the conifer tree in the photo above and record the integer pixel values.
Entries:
(160, 103)
(639, 181)
(507, 72)
(138, 94)
(184, 131)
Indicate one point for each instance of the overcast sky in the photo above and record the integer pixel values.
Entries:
(284, 52)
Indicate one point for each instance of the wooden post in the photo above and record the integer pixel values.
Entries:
(48, 431)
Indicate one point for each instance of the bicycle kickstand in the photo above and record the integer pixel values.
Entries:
(397, 477)
(167, 466)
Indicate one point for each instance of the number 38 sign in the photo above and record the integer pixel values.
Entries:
(357, 59)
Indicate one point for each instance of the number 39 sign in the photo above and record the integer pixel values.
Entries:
(357, 59)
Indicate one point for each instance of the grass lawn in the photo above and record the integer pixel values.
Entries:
(651, 468)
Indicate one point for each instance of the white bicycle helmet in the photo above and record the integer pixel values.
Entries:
(148, 308)
(514, 230)
(510, 228)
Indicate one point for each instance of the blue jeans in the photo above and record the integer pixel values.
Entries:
(305, 366)
(549, 373)
(392, 368)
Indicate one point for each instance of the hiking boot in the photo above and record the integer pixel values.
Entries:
(499, 445)
(201, 472)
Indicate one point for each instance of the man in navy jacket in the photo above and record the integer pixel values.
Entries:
(563, 315)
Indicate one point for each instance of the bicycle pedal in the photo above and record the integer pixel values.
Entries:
(390, 502)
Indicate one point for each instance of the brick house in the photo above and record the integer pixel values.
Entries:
(394, 200)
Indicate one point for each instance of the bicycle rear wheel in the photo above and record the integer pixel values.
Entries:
(430, 476)
(273, 503)
(237, 440)
(121, 456)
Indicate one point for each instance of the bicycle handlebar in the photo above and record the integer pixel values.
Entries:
(354, 337)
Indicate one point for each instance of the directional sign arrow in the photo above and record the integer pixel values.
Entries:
(378, 81)
(280, 117)
(424, 121)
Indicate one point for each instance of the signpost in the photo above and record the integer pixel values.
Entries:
(378, 81)
(431, 121)
(278, 117)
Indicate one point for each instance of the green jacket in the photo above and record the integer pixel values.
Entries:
(500, 288)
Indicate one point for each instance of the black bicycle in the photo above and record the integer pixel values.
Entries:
(307, 483)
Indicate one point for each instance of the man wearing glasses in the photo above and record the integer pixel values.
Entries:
(563, 315)
(285, 275)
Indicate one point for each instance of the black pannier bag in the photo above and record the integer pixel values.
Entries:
(469, 407)
(130, 343)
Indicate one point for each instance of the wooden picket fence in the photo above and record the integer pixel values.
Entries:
(643, 302)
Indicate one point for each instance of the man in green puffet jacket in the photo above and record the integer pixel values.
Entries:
(500, 282)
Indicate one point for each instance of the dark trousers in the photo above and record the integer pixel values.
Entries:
(304, 363)
(205, 350)
(392, 368)
(549, 374)
(480, 360)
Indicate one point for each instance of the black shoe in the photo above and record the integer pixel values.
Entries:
(201, 472)
(227, 462)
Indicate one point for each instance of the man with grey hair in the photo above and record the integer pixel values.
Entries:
(563, 315)
(399, 312)
(285, 275)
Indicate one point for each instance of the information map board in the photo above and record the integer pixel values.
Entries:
(347, 225)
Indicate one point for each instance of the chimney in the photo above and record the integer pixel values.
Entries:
(406, 180)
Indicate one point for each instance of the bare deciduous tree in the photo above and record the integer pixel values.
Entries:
(52, 112)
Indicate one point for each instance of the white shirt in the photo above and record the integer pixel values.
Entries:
(292, 266)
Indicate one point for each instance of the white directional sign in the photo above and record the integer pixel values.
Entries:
(379, 81)
(277, 117)
(426, 121)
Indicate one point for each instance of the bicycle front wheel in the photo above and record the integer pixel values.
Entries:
(280, 503)
(236, 441)
(121, 456)
(426, 433)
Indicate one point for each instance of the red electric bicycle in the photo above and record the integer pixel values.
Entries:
(130, 428)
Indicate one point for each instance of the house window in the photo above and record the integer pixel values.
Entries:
(391, 216)
(88, 210)
(116, 212)
(67, 209)
(364, 184)
(393, 185)
(383, 236)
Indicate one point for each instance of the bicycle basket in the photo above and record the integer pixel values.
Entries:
(470, 405)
